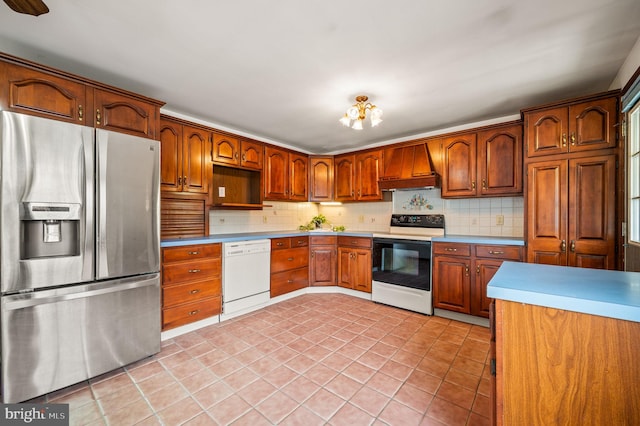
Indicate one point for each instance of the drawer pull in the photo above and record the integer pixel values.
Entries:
(196, 291)
(300, 242)
(193, 253)
(495, 252)
(289, 281)
(194, 271)
(194, 312)
(279, 244)
(290, 259)
(450, 249)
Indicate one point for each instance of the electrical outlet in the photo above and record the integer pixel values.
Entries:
(264, 219)
(373, 219)
(361, 218)
(499, 219)
(221, 191)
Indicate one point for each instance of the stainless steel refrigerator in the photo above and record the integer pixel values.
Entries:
(80, 253)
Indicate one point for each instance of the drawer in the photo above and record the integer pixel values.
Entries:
(452, 249)
(192, 252)
(288, 281)
(191, 312)
(299, 241)
(174, 273)
(499, 252)
(192, 292)
(293, 258)
(354, 241)
(323, 240)
(280, 243)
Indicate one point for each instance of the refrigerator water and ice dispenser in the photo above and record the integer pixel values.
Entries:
(49, 230)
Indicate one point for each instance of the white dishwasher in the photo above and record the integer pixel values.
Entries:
(245, 274)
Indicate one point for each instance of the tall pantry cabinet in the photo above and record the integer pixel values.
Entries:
(571, 181)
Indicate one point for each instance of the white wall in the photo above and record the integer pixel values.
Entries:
(630, 65)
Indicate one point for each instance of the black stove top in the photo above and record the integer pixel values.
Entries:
(417, 221)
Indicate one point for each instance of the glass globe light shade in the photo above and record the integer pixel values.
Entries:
(357, 125)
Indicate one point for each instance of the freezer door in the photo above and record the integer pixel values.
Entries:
(47, 204)
(55, 338)
(127, 204)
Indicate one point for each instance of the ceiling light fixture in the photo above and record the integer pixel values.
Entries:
(358, 112)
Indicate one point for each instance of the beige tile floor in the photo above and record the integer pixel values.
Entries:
(311, 360)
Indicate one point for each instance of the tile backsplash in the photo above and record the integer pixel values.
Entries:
(472, 216)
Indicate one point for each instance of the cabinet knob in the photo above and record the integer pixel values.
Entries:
(235, 156)
(184, 180)
(573, 138)
(484, 184)
(98, 116)
(80, 113)
(478, 269)
(473, 184)
(194, 312)
(244, 157)
(573, 246)
(313, 254)
(466, 270)
(564, 139)
(179, 180)
(563, 246)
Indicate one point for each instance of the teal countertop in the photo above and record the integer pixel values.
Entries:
(248, 236)
(613, 294)
(479, 239)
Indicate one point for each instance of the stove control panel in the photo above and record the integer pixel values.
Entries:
(418, 220)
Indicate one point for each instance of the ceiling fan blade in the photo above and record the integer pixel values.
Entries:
(29, 7)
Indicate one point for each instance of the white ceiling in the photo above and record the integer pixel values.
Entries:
(286, 70)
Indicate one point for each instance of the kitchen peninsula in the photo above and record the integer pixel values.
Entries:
(566, 345)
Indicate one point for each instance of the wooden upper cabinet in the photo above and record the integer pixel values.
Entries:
(276, 173)
(32, 92)
(170, 156)
(500, 161)
(225, 150)
(49, 93)
(184, 157)
(459, 178)
(573, 127)
(251, 154)
(367, 175)
(298, 177)
(321, 179)
(344, 178)
(120, 113)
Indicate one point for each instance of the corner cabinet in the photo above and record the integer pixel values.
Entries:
(285, 175)
(461, 272)
(34, 89)
(320, 179)
(354, 263)
(486, 163)
(356, 176)
(191, 283)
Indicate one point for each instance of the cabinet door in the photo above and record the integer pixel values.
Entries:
(500, 161)
(120, 113)
(592, 211)
(321, 179)
(322, 266)
(362, 268)
(459, 178)
(298, 177)
(452, 284)
(251, 156)
(367, 175)
(344, 178)
(346, 273)
(546, 131)
(547, 209)
(276, 176)
(485, 270)
(170, 156)
(36, 93)
(592, 125)
(195, 152)
(392, 166)
(225, 150)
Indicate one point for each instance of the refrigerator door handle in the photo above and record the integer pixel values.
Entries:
(21, 301)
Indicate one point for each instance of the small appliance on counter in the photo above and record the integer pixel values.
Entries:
(79, 275)
(401, 274)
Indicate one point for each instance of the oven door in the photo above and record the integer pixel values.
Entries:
(405, 263)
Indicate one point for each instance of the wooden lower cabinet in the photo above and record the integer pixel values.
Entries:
(323, 260)
(191, 283)
(560, 367)
(354, 263)
(289, 264)
(461, 272)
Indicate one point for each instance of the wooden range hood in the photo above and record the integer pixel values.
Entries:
(408, 167)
